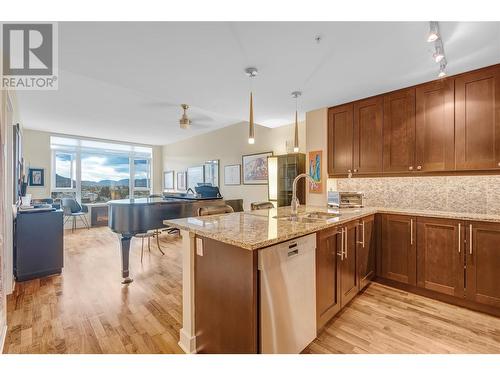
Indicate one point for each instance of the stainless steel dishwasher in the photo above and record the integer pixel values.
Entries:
(288, 295)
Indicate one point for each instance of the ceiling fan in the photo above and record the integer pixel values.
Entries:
(197, 117)
(185, 121)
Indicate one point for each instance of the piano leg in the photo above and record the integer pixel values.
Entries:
(125, 249)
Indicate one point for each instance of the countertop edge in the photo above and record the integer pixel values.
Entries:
(326, 225)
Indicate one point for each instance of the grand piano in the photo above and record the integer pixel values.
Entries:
(128, 217)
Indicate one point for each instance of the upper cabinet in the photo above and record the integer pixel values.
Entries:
(477, 119)
(434, 130)
(368, 140)
(340, 140)
(444, 126)
(399, 131)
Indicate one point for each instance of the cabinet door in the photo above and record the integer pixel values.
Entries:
(435, 126)
(366, 251)
(483, 263)
(477, 119)
(349, 286)
(398, 258)
(327, 279)
(440, 255)
(399, 131)
(340, 139)
(368, 140)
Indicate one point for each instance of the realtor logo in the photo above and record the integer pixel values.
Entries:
(29, 52)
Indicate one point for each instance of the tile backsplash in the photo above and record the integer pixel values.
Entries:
(470, 194)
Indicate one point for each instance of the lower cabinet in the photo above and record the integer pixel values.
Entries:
(327, 275)
(482, 251)
(342, 266)
(453, 260)
(440, 255)
(349, 286)
(366, 251)
(398, 249)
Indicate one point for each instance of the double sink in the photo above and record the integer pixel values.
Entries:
(309, 217)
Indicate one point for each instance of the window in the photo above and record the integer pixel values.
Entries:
(104, 177)
(94, 171)
(64, 170)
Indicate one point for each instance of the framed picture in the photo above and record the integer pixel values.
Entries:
(36, 177)
(168, 180)
(181, 181)
(232, 174)
(315, 165)
(255, 170)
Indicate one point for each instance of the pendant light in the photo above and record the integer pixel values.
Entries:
(296, 95)
(251, 72)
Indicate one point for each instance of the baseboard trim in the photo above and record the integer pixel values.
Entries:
(187, 343)
(3, 336)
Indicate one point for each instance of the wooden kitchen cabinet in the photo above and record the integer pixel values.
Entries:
(440, 255)
(349, 285)
(327, 275)
(483, 263)
(368, 136)
(340, 140)
(366, 251)
(398, 249)
(435, 126)
(477, 119)
(399, 131)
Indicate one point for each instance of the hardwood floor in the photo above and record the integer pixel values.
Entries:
(386, 320)
(88, 310)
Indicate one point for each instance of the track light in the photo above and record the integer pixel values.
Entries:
(442, 69)
(433, 32)
(439, 54)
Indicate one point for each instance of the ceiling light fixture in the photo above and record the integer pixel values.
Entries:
(433, 31)
(438, 54)
(296, 95)
(442, 69)
(251, 72)
(184, 121)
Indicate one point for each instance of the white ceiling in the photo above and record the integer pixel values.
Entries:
(125, 81)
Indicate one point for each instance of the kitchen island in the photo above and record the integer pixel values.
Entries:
(221, 285)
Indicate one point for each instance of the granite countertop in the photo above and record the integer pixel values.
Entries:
(253, 230)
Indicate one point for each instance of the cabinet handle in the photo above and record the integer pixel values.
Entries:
(410, 168)
(355, 171)
(498, 164)
(346, 241)
(411, 231)
(470, 239)
(419, 167)
(341, 244)
(459, 225)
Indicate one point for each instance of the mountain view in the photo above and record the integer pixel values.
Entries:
(104, 190)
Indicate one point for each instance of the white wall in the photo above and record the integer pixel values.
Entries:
(316, 137)
(37, 154)
(228, 145)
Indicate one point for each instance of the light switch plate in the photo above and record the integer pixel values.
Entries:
(199, 247)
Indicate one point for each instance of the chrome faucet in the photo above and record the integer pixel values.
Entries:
(190, 190)
(295, 201)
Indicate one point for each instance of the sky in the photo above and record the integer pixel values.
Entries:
(102, 167)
